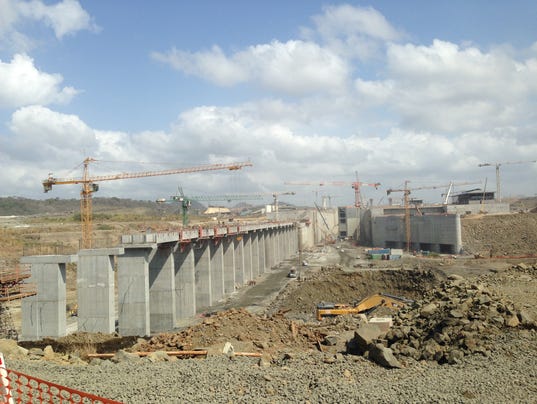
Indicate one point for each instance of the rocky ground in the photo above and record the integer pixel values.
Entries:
(470, 336)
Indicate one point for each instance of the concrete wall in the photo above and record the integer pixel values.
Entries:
(438, 233)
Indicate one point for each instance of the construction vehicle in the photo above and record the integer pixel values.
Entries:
(364, 306)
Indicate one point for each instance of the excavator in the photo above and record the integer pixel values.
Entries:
(365, 306)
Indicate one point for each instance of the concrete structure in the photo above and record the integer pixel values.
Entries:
(320, 224)
(44, 313)
(437, 233)
(161, 278)
(96, 290)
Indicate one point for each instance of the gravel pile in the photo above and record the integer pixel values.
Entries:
(454, 320)
(309, 377)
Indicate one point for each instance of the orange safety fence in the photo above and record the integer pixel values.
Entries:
(17, 387)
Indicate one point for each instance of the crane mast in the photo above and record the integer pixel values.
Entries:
(406, 202)
(497, 165)
(89, 186)
(354, 185)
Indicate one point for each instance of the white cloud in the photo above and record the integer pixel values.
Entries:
(40, 133)
(293, 67)
(65, 18)
(21, 83)
(445, 88)
(353, 31)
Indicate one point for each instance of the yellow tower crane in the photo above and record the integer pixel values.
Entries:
(89, 186)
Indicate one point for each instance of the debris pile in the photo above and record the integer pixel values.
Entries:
(452, 321)
(246, 331)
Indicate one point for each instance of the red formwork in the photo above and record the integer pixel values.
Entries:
(17, 387)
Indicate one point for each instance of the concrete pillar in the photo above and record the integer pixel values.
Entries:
(202, 268)
(96, 290)
(44, 314)
(185, 282)
(229, 265)
(217, 269)
(277, 247)
(133, 290)
(269, 248)
(238, 244)
(262, 251)
(162, 308)
(247, 241)
(255, 254)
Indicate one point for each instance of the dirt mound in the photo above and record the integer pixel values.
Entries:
(331, 284)
(500, 235)
(245, 331)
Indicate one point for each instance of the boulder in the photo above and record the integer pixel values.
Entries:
(383, 356)
(363, 337)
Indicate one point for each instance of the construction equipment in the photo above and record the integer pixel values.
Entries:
(497, 165)
(89, 186)
(354, 185)
(364, 306)
(186, 201)
(406, 202)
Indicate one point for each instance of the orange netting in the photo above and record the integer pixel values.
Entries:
(18, 387)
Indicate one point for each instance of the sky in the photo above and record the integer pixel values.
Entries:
(307, 91)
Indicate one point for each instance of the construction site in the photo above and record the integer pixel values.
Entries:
(402, 302)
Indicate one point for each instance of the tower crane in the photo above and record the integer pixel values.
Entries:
(186, 201)
(354, 185)
(497, 165)
(406, 192)
(89, 186)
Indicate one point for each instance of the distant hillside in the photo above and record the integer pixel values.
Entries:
(16, 206)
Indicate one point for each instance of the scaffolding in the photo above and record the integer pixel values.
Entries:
(13, 285)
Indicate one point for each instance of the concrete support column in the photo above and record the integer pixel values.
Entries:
(185, 281)
(262, 251)
(217, 269)
(202, 267)
(238, 244)
(277, 246)
(162, 306)
(247, 241)
(255, 254)
(43, 315)
(229, 265)
(133, 290)
(269, 248)
(96, 290)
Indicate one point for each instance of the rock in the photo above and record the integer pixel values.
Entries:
(263, 363)
(512, 321)
(331, 340)
(11, 350)
(378, 353)
(363, 337)
(525, 318)
(347, 373)
(428, 310)
(455, 356)
(48, 353)
(124, 356)
(158, 356)
(455, 277)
